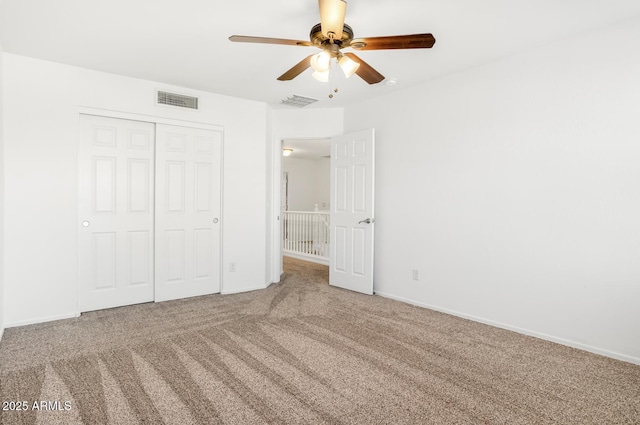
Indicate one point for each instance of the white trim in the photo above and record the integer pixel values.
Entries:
(42, 320)
(311, 258)
(240, 290)
(276, 202)
(148, 118)
(221, 218)
(551, 338)
(1, 333)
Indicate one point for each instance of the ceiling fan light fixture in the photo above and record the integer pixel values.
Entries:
(323, 77)
(348, 66)
(331, 35)
(332, 13)
(321, 62)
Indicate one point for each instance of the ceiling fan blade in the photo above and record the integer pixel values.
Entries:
(332, 17)
(412, 41)
(297, 69)
(268, 40)
(366, 71)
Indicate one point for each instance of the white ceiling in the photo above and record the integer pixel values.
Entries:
(308, 148)
(185, 42)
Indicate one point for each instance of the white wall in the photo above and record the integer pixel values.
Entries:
(2, 167)
(323, 177)
(515, 189)
(308, 183)
(41, 120)
(302, 123)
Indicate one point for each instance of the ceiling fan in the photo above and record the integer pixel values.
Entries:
(332, 35)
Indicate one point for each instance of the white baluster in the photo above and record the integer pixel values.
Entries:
(298, 232)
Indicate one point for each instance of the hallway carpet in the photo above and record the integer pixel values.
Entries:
(301, 352)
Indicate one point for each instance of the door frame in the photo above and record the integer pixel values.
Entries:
(274, 219)
(275, 257)
(85, 110)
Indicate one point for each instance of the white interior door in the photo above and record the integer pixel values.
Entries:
(352, 214)
(188, 169)
(115, 259)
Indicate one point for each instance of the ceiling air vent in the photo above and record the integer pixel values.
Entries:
(180, 100)
(299, 101)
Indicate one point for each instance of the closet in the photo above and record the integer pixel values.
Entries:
(149, 212)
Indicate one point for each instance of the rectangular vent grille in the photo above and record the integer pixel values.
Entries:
(180, 100)
(299, 101)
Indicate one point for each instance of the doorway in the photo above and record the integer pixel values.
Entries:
(306, 199)
(351, 194)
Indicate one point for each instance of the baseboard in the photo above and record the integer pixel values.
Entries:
(309, 258)
(1, 333)
(237, 291)
(42, 320)
(551, 338)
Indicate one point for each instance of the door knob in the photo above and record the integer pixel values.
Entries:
(366, 221)
(86, 223)
(215, 220)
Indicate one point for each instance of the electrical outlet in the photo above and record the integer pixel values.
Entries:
(416, 274)
(232, 267)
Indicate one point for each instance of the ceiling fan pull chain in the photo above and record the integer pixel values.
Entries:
(331, 78)
(331, 67)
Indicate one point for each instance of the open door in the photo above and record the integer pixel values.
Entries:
(352, 214)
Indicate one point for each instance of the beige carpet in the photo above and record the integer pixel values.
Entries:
(302, 352)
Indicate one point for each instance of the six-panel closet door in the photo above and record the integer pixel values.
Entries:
(116, 212)
(187, 212)
(149, 212)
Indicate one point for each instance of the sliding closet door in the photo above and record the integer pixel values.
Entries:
(188, 165)
(115, 236)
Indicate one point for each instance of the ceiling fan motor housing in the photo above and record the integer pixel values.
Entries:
(320, 40)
